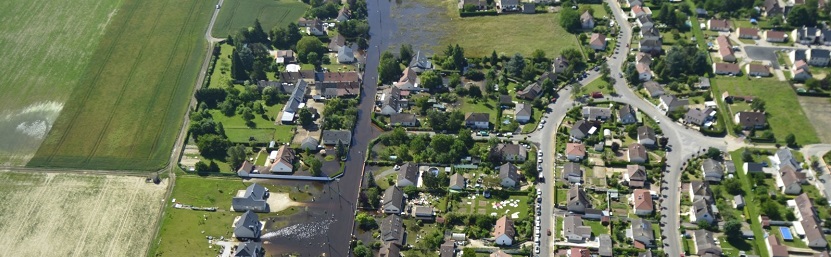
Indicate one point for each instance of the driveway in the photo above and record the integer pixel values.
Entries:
(760, 53)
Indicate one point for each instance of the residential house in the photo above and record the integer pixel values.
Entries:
(749, 33)
(479, 4)
(343, 14)
(808, 218)
(633, 3)
(408, 80)
(772, 8)
(700, 190)
(723, 68)
(283, 161)
(530, 92)
(404, 120)
(703, 82)
(653, 88)
(627, 114)
(725, 49)
(806, 35)
(559, 65)
(505, 101)
(578, 252)
(572, 173)
(749, 120)
(582, 129)
(701, 211)
(644, 21)
(650, 45)
(248, 226)
(508, 175)
(528, 8)
(641, 200)
(775, 248)
(644, 58)
(339, 84)
(249, 249)
(819, 57)
(309, 143)
(670, 103)
(423, 212)
(392, 230)
(420, 63)
(637, 153)
(346, 55)
(698, 116)
(448, 249)
(701, 12)
(574, 230)
(646, 136)
(285, 57)
(789, 181)
(389, 250)
(575, 152)
(644, 72)
(705, 244)
(253, 199)
(388, 101)
(738, 202)
(523, 113)
(639, 11)
(393, 200)
(332, 137)
(593, 113)
(759, 70)
(797, 55)
(635, 176)
(642, 233)
(605, 245)
(598, 42)
(776, 36)
(457, 182)
(578, 201)
(784, 158)
(298, 96)
(336, 42)
(407, 175)
(718, 25)
(508, 5)
(587, 21)
(477, 120)
(315, 28)
(712, 169)
(510, 152)
(800, 71)
(650, 33)
(503, 231)
(752, 167)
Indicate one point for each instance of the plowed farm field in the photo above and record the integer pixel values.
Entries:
(61, 214)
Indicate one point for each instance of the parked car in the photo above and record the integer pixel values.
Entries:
(597, 94)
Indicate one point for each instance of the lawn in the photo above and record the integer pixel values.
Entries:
(796, 242)
(597, 85)
(128, 107)
(39, 74)
(222, 71)
(597, 227)
(485, 105)
(485, 206)
(182, 233)
(784, 112)
(264, 130)
(752, 209)
(237, 14)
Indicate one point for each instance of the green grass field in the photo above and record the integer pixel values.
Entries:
(130, 101)
(508, 34)
(46, 45)
(237, 14)
(784, 112)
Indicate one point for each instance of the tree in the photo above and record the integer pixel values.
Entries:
(733, 186)
(341, 150)
(454, 81)
(213, 146)
(469, 252)
(733, 229)
(405, 54)
(365, 221)
(373, 197)
(305, 117)
(747, 156)
(410, 190)
(632, 75)
(800, 16)
(758, 104)
(237, 68)
(430, 181)
(790, 139)
(813, 84)
(494, 58)
(258, 34)
(431, 80)
(201, 166)
(362, 251)
(615, 146)
(515, 65)
(313, 59)
(713, 153)
(388, 68)
(220, 130)
(314, 165)
(704, 224)
(309, 44)
(236, 155)
(570, 20)
(771, 209)
(776, 21)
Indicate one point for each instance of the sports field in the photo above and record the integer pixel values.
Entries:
(236, 14)
(46, 48)
(130, 101)
(67, 215)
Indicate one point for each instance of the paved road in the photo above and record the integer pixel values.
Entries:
(766, 53)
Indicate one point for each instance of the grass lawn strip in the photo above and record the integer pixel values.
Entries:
(237, 14)
(752, 209)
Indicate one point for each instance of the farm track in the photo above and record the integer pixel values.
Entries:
(123, 88)
(89, 89)
(158, 88)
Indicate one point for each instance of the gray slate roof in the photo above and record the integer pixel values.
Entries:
(508, 170)
(248, 226)
(253, 198)
(408, 171)
(712, 166)
(392, 230)
(249, 249)
(331, 137)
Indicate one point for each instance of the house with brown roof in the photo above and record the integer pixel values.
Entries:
(503, 231)
(772, 8)
(575, 152)
(530, 92)
(448, 249)
(789, 180)
(572, 172)
(637, 153)
(723, 68)
(644, 72)
(635, 176)
(282, 160)
(748, 120)
(598, 42)
(806, 214)
(775, 248)
(776, 36)
(759, 70)
(718, 25)
(653, 88)
(638, 11)
(508, 175)
(477, 120)
(725, 49)
(285, 56)
(587, 21)
(641, 200)
(499, 253)
(749, 33)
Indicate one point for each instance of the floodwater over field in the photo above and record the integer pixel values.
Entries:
(22, 131)
(418, 23)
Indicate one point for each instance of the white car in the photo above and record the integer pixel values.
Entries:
(539, 160)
